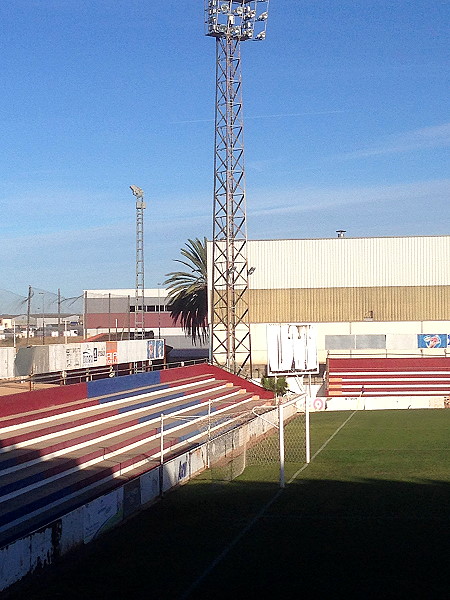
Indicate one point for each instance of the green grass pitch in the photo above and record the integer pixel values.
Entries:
(368, 518)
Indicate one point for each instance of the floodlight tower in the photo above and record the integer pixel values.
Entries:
(230, 22)
(139, 324)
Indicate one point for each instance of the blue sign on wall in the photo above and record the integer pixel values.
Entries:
(155, 349)
(433, 340)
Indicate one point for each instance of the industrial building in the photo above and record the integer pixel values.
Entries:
(381, 296)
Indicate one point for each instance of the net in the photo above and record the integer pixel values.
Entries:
(250, 443)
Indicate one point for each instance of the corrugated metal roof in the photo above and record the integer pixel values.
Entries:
(350, 262)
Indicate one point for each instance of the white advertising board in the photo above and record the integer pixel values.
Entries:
(7, 356)
(155, 349)
(291, 349)
(102, 514)
(93, 354)
(73, 356)
(149, 486)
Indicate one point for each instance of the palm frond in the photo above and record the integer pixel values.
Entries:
(187, 291)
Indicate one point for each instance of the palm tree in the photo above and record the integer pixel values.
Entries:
(187, 291)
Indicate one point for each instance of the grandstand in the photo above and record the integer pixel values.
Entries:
(64, 447)
(388, 376)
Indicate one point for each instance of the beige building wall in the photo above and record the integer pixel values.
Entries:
(317, 305)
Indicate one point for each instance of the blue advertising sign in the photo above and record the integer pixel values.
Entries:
(433, 340)
(155, 349)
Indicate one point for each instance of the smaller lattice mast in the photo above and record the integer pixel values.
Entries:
(139, 314)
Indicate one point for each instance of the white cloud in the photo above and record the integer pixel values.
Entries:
(274, 116)
(314, 199)
(437, 136)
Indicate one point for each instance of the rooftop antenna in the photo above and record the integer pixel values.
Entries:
(231, 22)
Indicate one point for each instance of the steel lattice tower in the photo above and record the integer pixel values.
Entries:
(231, 22)
(139, 314)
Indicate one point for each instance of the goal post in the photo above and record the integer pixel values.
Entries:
(267, 442)
(285, 441)
(281, 436)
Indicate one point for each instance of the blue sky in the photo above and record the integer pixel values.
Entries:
(347, 127)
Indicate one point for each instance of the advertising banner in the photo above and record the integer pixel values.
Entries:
(150, 486)
(102, 514)
(131, 497)
(432, 340)
(93, 355)
(155, 349)
(292, 349)
(111, 353)
(73, 356)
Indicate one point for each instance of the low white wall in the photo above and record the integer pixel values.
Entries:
(401, 338)
(381, 403)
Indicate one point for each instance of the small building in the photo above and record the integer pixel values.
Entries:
(112, 312)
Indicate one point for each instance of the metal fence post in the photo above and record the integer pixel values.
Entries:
(161, 459)
(208, 443)
(281, 440)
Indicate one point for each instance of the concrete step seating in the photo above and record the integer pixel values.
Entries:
(58, 458)
(384, 377)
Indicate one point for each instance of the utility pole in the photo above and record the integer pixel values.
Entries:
(30, 293)
(43, 317)
(59, 313)
(230, 23)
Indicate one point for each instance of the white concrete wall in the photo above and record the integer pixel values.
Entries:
(401, 338)
(7, 357)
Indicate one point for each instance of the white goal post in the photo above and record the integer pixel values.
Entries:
(282, 410)
(276, 447)
(266, 438)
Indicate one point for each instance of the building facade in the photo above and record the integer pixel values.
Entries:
(365, 295)
(112, 312)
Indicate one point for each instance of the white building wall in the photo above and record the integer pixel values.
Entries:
(349, 262)
(401, 338)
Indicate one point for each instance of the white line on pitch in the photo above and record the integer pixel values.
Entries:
(255, 519)
(324, 445)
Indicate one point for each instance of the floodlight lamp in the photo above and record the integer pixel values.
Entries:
(261, 36)
(225, 8)
(137, 191)
(263, 16)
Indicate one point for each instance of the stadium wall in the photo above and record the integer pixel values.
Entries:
(315, 305)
